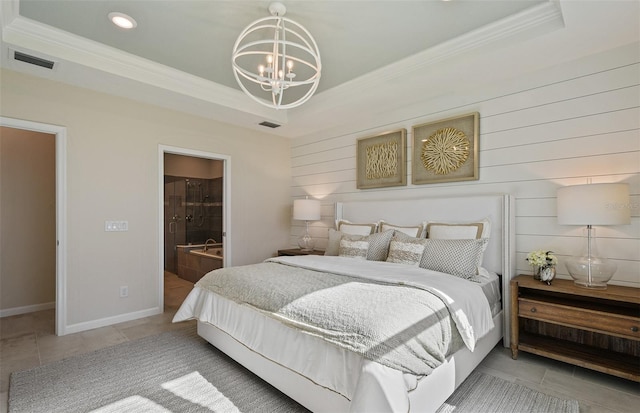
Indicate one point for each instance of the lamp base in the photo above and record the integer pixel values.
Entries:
(591, 272)
(306, 243)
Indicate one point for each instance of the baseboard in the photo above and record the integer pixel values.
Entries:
(107, 321)
(27, 309)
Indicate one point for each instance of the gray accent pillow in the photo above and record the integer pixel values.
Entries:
(459, 257)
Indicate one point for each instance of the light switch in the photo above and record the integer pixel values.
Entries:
(110, 226)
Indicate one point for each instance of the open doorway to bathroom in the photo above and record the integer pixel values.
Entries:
(194, 192)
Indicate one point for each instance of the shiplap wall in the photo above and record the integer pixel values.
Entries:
(563, 126)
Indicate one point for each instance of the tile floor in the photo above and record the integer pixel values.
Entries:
(28, 340)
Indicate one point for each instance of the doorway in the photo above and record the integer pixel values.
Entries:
(59, 241)
(194, 194)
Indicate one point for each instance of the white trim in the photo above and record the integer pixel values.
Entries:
(108, 321)
(61, 211)
(226, 209)
(8, 312)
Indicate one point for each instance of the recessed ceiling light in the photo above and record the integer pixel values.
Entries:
(122, 20)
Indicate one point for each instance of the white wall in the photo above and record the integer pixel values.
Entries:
(555, 127)
(112, 169)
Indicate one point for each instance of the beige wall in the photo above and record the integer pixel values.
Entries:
(27, 219)
(112, 169)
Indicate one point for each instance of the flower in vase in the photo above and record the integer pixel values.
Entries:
(541, 258)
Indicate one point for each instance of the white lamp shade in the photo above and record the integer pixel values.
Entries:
(594, 204)
(306, 209)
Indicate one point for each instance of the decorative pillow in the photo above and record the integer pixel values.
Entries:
(459, 257)
(347, 227)
(413, 231)
(459, 230)
(353, 248)
(378, 244)
(406, 250)
(333, 244)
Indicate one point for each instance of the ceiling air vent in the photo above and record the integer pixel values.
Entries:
(23, 57)
(269, 124)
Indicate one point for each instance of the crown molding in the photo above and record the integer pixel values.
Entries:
(22, 33)
(530, 22)
(31, 36)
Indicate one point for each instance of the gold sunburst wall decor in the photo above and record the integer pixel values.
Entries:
(381, 160)
(445, 150)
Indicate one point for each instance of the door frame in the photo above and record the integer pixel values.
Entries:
(226, 201)
(60, 133)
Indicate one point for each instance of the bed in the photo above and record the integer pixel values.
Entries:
(325, 375)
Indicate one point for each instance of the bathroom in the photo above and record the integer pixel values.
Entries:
(193, 215)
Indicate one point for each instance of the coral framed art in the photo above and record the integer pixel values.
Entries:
(381, 160)
(445, 150)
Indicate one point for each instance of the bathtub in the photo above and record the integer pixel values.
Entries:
(194, 262)
(211, 252)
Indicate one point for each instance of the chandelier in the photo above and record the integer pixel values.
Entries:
(274, 55)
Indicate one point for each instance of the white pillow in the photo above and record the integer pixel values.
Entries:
(347, 227)
(413, 231)
(459, 230)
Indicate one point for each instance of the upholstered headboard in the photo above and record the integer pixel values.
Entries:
(499, 208)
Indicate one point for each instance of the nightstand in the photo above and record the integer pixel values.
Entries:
(591, 328)
(298, 251)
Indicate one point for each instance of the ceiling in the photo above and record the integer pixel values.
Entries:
(180, 52)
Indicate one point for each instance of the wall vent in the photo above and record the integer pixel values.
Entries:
(23, 57)
(269, 124)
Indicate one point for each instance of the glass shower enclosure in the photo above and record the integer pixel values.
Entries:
(192, 214)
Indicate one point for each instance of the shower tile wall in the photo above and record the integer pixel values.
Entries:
(192, 212)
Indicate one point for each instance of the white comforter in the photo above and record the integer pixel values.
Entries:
(364, 382)
(465, 300)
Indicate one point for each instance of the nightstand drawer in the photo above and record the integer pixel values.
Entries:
(609, 323)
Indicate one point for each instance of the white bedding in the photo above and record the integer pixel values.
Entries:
(364, 382)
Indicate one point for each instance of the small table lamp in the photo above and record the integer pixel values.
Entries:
(306, 210)
(593, 204)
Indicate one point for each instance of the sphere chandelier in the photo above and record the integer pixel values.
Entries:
(274, 55)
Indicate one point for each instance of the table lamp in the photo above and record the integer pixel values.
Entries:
(593, 204)
(306, 210)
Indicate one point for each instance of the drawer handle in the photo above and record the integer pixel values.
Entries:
(634, 329)
(533, 309)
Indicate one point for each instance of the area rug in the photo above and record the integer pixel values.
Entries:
(180, 372)
(484, 393)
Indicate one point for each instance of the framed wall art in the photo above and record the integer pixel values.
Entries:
(445, 150)
(381, 160)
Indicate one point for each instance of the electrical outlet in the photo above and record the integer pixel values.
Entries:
(124, 291)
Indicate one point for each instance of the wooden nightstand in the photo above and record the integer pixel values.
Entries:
(595, 329)
(298, 251)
